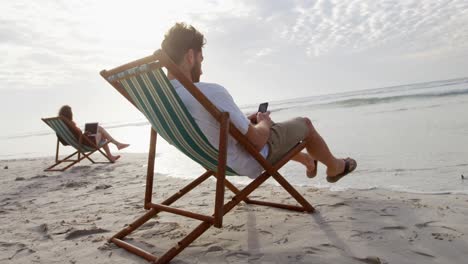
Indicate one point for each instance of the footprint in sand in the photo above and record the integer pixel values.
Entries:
(389, 208)
(237, 228)
(148, 225)
(6, 199)
(11, 244)
(369, 235)
(311, 250)
(60, 230)
(370, 260)
(237, 256)
(85, 232)
(393, 228)
(451, 235)
(425, 224)
(75, 184)
(203, 245)
(43, 231)
(38, 177)
(327, 245)
(162, 229)
(214, 249)
(338, 204)
(263, 232)
(423, 254)
(445, 236)
(283, 240)
(102, 186)
(22, 249)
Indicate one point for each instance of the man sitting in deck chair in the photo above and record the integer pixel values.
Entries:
(183, 44)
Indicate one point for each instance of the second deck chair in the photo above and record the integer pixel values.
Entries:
(68, 134)
(146, 86)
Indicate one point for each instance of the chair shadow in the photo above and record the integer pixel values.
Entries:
(253, 242)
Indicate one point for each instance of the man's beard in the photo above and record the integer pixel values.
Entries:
(196, 72)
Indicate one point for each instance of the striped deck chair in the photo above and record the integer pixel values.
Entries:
(144, 84)
(68, 134)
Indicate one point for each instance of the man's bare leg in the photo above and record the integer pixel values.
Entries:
(308, 161)
(318, 149)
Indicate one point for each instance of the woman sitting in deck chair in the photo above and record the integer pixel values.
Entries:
(101, 134)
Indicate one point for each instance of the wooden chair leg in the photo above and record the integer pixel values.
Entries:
(221, 173)
(182, 244)
(294, 193)
(135, 224)
(273, 170)
(233, 188)
(150, 171)
(240, 195)
(200, 229)
(81, 156)
(220, 208)
(58, 162)
(74, 162)
(67, 158)
(279, 205)
(88, 156)
(249, 189)
(57, 151)
(135, 250)
(152, 212)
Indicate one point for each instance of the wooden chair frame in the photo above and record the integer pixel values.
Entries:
(81, 155)
(160, 59)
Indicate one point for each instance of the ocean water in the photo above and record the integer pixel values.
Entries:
(407, 138)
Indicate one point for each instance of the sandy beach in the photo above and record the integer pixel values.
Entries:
(66, 217)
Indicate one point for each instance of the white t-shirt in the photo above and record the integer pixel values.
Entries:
(237, 157)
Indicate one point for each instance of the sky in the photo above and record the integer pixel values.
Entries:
(52, 51)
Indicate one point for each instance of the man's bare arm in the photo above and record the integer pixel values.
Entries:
(259, 133)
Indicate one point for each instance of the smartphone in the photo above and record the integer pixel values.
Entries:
(263, 107)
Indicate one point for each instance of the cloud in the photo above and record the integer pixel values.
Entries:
(14, 33)
(78, 38)
(326, 27)
(346, 27)
(259, 54)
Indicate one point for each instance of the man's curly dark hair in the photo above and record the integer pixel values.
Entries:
(180, 39)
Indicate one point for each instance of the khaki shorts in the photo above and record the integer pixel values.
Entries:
(284, 136)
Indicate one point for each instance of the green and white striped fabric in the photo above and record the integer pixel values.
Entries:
(62, 130)
(157, 99)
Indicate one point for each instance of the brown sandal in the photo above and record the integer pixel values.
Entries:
(350, 166)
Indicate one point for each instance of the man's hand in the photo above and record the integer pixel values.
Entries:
(253, 118)
(264, 117)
